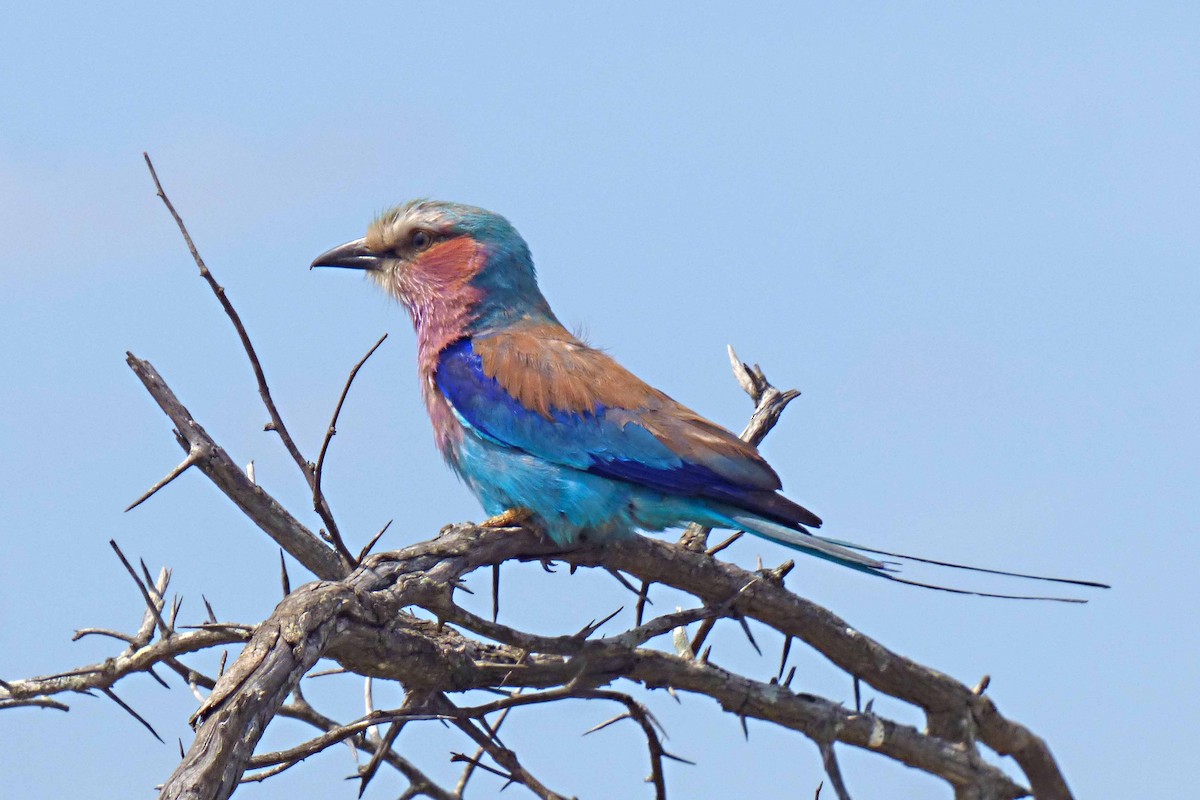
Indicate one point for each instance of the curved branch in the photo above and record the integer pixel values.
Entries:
(419, 573)
(419, 782)
(360, 621)
(254, 502)
(264, 391)
(104, 675)
(358, 615)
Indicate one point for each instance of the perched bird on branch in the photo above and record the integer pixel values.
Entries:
(544, 428)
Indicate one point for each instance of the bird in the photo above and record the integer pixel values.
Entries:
(550, 432)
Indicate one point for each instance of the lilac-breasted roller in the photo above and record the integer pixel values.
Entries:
(539, 424)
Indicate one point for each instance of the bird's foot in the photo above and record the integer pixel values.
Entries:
(512, 518)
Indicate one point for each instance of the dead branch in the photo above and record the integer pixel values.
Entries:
(276, 424)
(305, 546)
(360, 614)
(419, 783)
(443, 561)
(360, 621)
(106, 674)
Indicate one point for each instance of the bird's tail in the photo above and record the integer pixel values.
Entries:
(849, 554)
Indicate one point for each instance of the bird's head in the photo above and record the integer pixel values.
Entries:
(440, 258)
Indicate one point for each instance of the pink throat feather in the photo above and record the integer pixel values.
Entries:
(437, 292)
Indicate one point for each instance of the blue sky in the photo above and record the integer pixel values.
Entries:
(967, 234)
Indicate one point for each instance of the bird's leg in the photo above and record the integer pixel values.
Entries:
(512, 518)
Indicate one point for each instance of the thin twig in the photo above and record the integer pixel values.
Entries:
(223, 471)
(153, 607)
(301, 710)
(639, 714)
(318, 497)
(276, 424)
(829, 759)
(469, 770)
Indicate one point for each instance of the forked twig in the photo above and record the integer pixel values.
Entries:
(331, 431)
(276, 424)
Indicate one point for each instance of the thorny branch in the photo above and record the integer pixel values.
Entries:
(276, 424)
(361, 615)
(769, 403)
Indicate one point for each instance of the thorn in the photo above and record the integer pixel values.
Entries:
(181, 753)
(593, 626)
(620, 579)
(712, 551)
(777, 575)
(982, 686)
(283, 575)
(176, 604)
(643, 601)
(113, 696)
(208, 607)
(459, 758)
(867, 708)
(221, 666)
(680, 759)
(746, 629)
(495, 592)
(857, 695)
(745, 728)
(603, 725)
(150, 671)
(706, 626)
(787, 683)
(150, 604)
(150, 585)
(363, 553)
(787, 649)
(704, 654)
(194, 455)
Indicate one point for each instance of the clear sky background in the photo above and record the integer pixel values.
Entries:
(968, 234)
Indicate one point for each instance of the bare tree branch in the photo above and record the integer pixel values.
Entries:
(331, 431)
(223, 471)
(462, 549)
(104, 675)
(769, 403)
(361, 614)
(276, 424)
(418, 780)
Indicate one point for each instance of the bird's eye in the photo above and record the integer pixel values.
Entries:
(421, 240)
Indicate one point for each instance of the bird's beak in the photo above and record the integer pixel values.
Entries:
(351, 255)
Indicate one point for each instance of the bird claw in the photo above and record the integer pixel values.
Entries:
(512, 518)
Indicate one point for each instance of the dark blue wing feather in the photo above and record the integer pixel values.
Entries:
(604, 441)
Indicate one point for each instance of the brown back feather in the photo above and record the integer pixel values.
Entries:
(547, 369)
